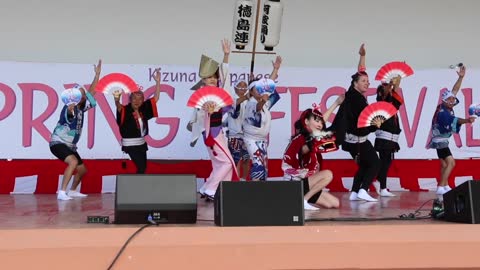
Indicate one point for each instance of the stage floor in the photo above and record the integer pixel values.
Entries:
(45, 211)
(55, 235)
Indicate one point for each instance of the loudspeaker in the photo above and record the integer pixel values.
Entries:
(264, 203)
(462, 204)
(161, 198)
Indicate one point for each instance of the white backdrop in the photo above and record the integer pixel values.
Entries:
(421, 93)
(426, 33)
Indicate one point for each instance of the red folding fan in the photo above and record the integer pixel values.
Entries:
(116, 81)
(220, 97)
(393, 69)
(381, 109)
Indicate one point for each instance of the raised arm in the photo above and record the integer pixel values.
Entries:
(396, 82)
(397, 100)
(276, 66)
(262, 102)
(71, 110)
(223, 69)
(241, 99)
(361, 62)
(226, 50)
(116, 96)
(393, 85)
(157, 77)
(98, 69)
(458, 83)
(332, 108)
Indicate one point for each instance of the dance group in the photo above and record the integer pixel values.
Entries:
(237, 135)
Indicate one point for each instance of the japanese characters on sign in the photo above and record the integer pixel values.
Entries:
(242, 23)
(271, 24)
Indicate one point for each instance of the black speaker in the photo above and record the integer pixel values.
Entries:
(462, 204)
(264, 203)
(161, 198)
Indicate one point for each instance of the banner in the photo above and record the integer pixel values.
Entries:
(30, 108)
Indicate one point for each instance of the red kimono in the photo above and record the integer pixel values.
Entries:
(297, 165)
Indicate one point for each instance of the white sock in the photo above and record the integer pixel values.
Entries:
(354, 196)
(441, 190)
(202, 189)
(363, 194)
(74, 193)
(308, 206)
(63, 196)
(385, 193)
(209, 193)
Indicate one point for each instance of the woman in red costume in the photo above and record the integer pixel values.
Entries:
(302, 160)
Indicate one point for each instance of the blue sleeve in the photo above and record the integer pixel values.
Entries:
(273, 99)
(456, 125)
(91, 101)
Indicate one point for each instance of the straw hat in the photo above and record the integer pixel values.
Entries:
(208, 67)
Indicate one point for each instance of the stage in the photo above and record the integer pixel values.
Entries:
(55, 235)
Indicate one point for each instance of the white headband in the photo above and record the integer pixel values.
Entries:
(238, 82)
(447, 94)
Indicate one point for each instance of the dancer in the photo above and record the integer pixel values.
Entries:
(386, 142)
(444, 124)
(236, 119)
(303, 159)
(256, 124)
(356, 139)
(236, 145)
(63, 141)
(208, 124)
(132, 120)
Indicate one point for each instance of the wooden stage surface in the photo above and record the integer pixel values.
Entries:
(39, 232)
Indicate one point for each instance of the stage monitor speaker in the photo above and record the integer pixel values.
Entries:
(162, 198)
(264, 203)
(462, 204)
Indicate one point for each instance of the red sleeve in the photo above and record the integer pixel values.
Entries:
(397, 97)
(291, 153)
(154, 107)
(121, 116)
